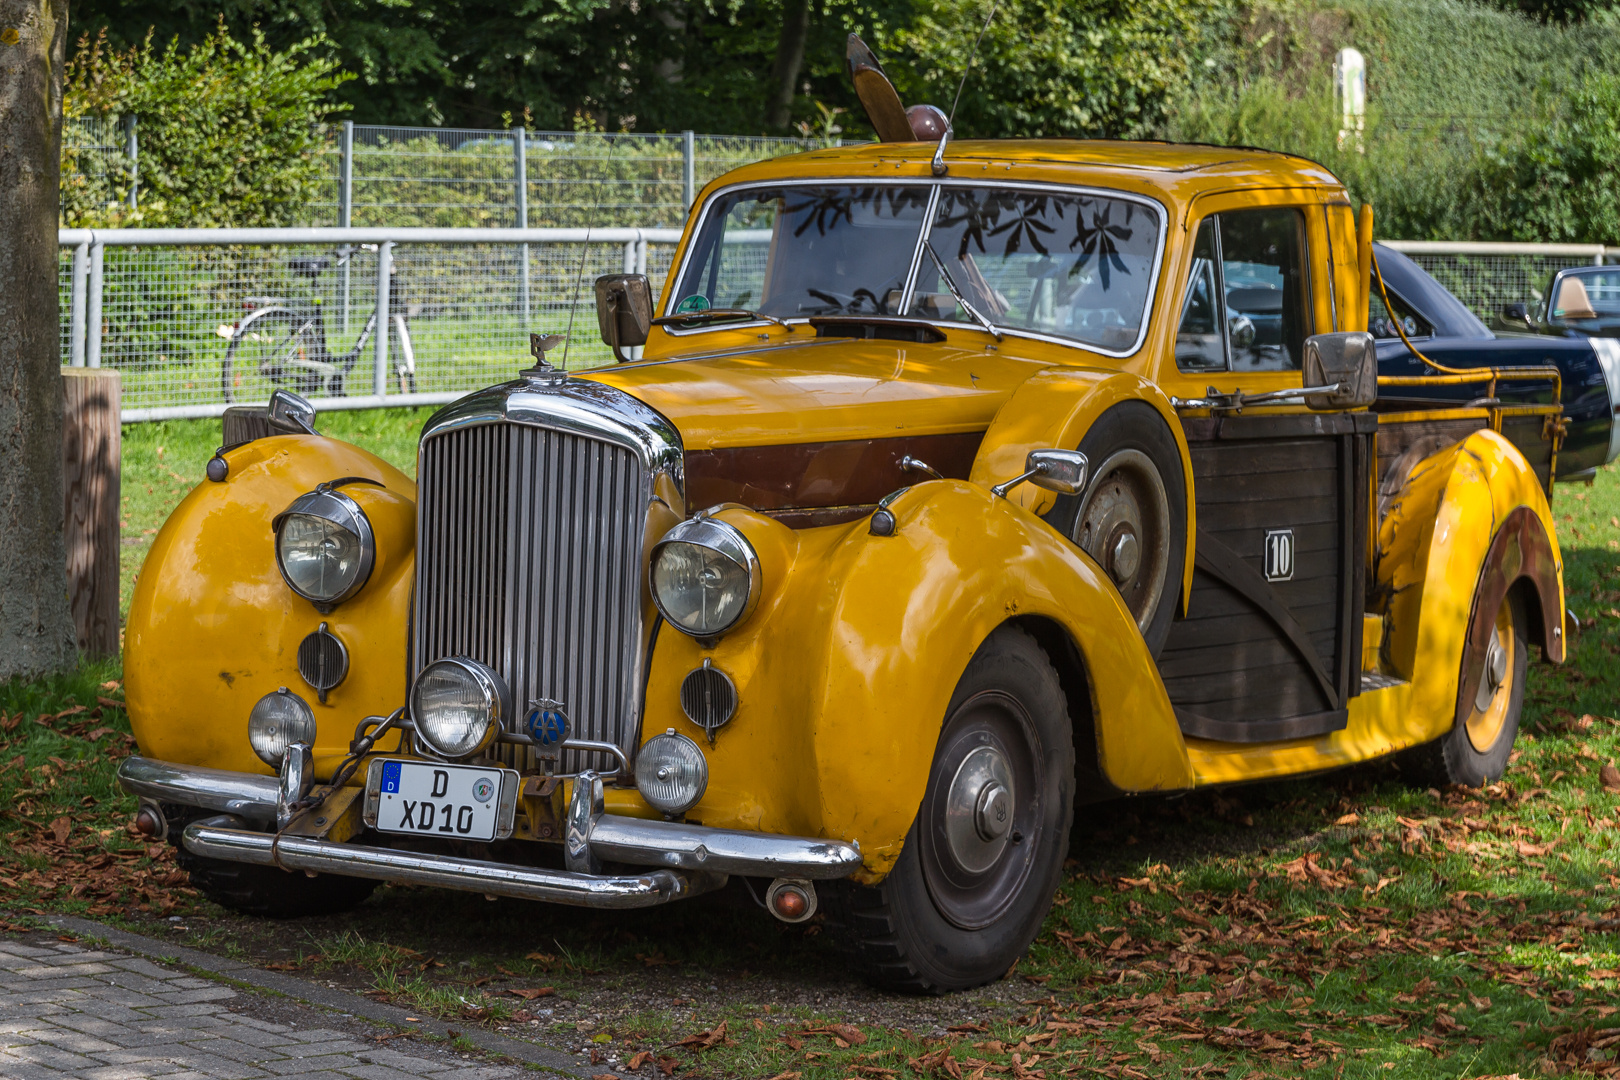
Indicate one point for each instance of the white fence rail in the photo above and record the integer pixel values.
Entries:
(188, 315)
(179, 311)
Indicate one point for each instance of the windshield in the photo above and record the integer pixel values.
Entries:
(1075, 265)
(1586, 296)
(805, 250)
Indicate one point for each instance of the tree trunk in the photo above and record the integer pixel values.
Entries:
(36, 626)
(789, 59)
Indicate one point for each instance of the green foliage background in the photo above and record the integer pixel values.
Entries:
(229, 130)
(1488, 119)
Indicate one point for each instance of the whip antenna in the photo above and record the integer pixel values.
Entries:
(579, 278)
(972, 53)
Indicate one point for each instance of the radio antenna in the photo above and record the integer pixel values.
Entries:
(972, 53)
(579, 278)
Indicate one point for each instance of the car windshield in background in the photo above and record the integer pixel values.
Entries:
(1076, 266)
(1587, 297)
(801, 250)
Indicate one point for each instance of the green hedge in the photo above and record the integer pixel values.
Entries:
(1481, 124)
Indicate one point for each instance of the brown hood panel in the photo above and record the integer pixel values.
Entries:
(815, 475)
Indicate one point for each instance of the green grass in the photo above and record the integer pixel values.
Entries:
(1352, 925)
(164, 460)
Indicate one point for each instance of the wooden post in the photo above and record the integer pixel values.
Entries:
(91, 450)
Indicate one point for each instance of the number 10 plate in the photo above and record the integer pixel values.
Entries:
(446, 802)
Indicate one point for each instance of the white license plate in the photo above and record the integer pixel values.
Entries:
(448, 802)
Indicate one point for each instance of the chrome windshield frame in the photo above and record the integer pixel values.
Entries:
(936, 185)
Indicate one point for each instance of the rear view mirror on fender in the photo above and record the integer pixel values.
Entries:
(624, 311)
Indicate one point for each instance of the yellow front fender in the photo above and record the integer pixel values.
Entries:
(213, 627)
(845, 682)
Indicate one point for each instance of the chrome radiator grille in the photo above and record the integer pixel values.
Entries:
(529, 560)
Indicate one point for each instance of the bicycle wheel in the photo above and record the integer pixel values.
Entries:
(269, 350)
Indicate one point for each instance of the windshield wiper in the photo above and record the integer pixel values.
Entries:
(720, 313)
(956, 294)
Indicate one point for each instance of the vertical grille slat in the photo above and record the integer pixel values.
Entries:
(530, 562)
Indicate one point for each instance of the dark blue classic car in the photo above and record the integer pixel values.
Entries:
(1445, 331)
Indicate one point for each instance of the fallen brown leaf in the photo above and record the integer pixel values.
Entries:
(530, 995)
(1609, 777)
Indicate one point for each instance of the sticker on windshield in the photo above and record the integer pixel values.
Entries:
(695, 303)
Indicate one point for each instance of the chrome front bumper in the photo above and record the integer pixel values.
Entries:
(686, 859)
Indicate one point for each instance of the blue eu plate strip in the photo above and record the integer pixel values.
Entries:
(390, 777)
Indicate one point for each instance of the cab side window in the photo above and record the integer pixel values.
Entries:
(1257, 261)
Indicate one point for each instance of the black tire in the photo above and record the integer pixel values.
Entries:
(1136, 490)
(941, 922)
(256, 360)
(272, 893)
(1475, 751)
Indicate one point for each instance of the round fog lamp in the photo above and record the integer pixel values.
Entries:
(458, 706)
(278, 720)
(671, 773)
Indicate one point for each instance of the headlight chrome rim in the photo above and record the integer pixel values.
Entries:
(723, 540)
(340, 510)
(671, 804)
(497, 706)
(277, 721)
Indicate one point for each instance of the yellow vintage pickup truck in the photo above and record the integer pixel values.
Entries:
(948, 487)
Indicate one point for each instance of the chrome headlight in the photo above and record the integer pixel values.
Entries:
(324, 547)
(705, 576)
(458, 706)
(671, 773)
(278, 720)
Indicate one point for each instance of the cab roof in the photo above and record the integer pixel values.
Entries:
(1180, 170)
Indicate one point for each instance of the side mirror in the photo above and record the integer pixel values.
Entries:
(1062, 471)
(624, 311)
(1517, 314)
(291, 414)
(1347, 359)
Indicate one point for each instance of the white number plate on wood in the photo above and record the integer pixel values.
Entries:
(447, 802)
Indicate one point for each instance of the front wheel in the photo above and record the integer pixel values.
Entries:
(272, 893)
(985, 853)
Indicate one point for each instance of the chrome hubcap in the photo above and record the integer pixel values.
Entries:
(979, 809)
(1124, 524)
(1496, 664)
(1125, 557)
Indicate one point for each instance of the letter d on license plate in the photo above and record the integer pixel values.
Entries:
(447, 802)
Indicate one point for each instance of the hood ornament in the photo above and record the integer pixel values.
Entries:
(542, 371)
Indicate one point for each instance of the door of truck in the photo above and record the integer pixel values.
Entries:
(1269, 647)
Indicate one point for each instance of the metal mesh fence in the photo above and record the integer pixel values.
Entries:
(196, 327)
(459, 178)
(1487, 281)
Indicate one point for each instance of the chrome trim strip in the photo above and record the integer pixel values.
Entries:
(468, 875)
(642, 842)
(245, 794)
(1024, 185)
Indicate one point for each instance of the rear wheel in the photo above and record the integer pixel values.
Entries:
(1475, 751)
(266, 353)
(985, 854)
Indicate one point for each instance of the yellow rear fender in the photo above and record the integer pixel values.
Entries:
(1055, 409)
(1470, 524)
(212, 626)
(845, 681)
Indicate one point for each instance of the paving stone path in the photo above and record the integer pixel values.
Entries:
(68, 1012)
